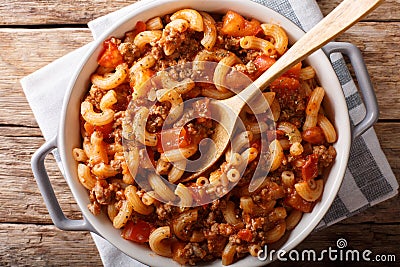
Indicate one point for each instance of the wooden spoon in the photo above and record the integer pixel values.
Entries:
(339, 20)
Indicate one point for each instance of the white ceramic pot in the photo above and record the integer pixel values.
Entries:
(69, 129)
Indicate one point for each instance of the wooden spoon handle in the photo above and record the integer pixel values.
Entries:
(339, 20)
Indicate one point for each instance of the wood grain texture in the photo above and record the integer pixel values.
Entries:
(81, 11)
(56, 12)
(21, 201)
(45, 245)
(379, 43)
(379, 239)
(388, 11)
(19, 58)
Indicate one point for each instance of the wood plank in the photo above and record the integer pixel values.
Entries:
(21, 200)
(19, 59)
(81, 11)
(388, 10)
(379, 239)
(38, 245)
(57, 12)
(23, 52)
(45, 245)
(19, 143)
(378, 43)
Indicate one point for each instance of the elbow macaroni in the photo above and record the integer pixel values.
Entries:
(112, 80)
(252, 42)
(192, 16)
(210, 31)
(156, 241)
(278, 35)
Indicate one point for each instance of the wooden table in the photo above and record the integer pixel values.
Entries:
(34, 33)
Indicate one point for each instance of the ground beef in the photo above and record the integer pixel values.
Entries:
(161, 109)
(272, 191)
(192, 252)
(258, 223)
(292, 108)
(325, 155)
(211, 218)
(118, 118)
(154, 123)
(129, 51)
(201, 108)
(172, 38)
(164, 211)
(124, 97)
(230, 43)
(189, 47)
(94, 208)
(225, 229)
(251, 67)
(165, 63)
(103, 193)
(157, 52)
(116, 164)
(95, 96)
(186, 44)
(216, 244)
(94, 205)
(157, 115)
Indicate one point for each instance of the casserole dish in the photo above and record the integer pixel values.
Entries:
(69, 137)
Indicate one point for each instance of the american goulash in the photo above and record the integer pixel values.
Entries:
(178, 222)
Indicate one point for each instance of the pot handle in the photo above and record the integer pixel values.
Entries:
(46, 189)
(364, 83)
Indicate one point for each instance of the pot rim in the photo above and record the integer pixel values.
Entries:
(247, 8)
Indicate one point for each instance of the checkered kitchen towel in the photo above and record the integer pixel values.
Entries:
(368, 179)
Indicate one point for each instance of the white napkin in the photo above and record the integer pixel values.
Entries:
(369, 179)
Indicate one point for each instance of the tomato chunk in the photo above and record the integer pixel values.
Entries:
(140, 82)
(199, 195)
(314, 135)
(262, 62)
(150, 154)
(138, 231)
(89, 128)
(285, 87)
(284, 83)
(172, 139)
(237, 26)
(106, 130)
(178, 249)
(294, 71)
(310, 168)
(139, 27)
(295, 201)
(245, 234)
(110, 57)
(184, 138)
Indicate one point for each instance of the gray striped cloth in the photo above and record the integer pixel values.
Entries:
(368, 180)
